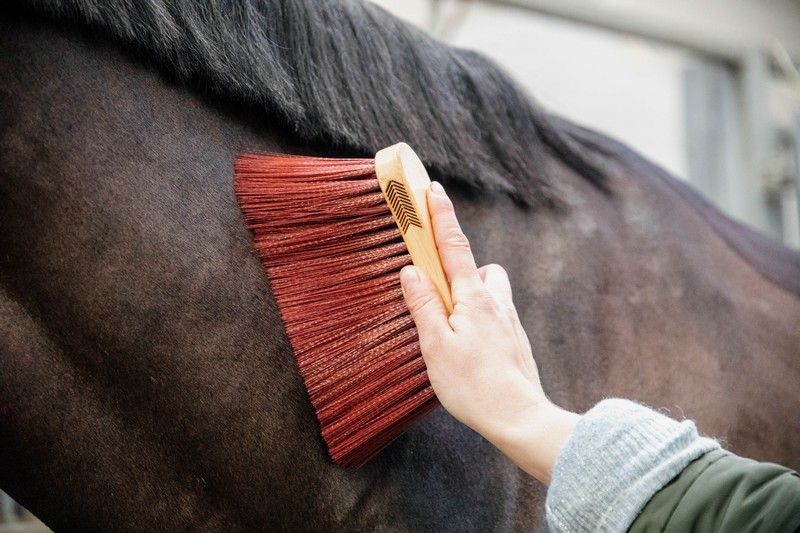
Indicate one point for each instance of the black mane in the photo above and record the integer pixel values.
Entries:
(350, 75)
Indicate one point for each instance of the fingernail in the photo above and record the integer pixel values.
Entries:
(436, 188)
(409, 276)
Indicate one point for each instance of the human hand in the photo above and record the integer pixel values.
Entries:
(479, 359)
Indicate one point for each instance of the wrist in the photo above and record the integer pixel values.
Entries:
(535, 437)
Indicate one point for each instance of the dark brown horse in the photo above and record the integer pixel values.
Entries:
(145, 379)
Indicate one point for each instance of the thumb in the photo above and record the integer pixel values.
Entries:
(424, 303)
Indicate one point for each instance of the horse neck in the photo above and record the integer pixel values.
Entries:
(146, 377)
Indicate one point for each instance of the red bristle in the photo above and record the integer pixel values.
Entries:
(333, 252)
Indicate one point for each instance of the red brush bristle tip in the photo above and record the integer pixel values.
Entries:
(333, 252)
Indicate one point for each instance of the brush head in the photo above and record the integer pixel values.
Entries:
(332, 252)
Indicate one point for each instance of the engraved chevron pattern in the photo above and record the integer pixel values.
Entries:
(403, 209)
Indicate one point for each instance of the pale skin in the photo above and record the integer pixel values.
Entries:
(479, 359)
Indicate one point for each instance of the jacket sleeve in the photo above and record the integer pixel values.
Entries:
(619, 455)
(723, 492)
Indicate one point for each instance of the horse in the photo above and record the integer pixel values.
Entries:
(146, 381)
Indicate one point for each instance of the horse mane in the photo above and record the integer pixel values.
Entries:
(351, 76)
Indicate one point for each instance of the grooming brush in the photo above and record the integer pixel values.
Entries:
(333, 235)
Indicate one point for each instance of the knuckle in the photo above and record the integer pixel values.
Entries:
(481, 301)
(511, 311)
(455, 238)
(418, 302)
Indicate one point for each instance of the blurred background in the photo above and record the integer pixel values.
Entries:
(709, 89)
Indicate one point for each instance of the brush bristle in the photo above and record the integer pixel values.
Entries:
(332, 253)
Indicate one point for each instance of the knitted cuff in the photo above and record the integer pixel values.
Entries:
(619, 455)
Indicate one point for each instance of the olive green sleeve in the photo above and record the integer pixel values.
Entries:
(723, 492)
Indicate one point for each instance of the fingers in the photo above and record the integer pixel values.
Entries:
(425, 305)
(495, 279)
(496, 282)
(454, 249)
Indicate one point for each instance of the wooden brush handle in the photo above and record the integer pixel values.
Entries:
(405, 183)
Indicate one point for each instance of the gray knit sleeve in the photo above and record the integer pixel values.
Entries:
(619, 455)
